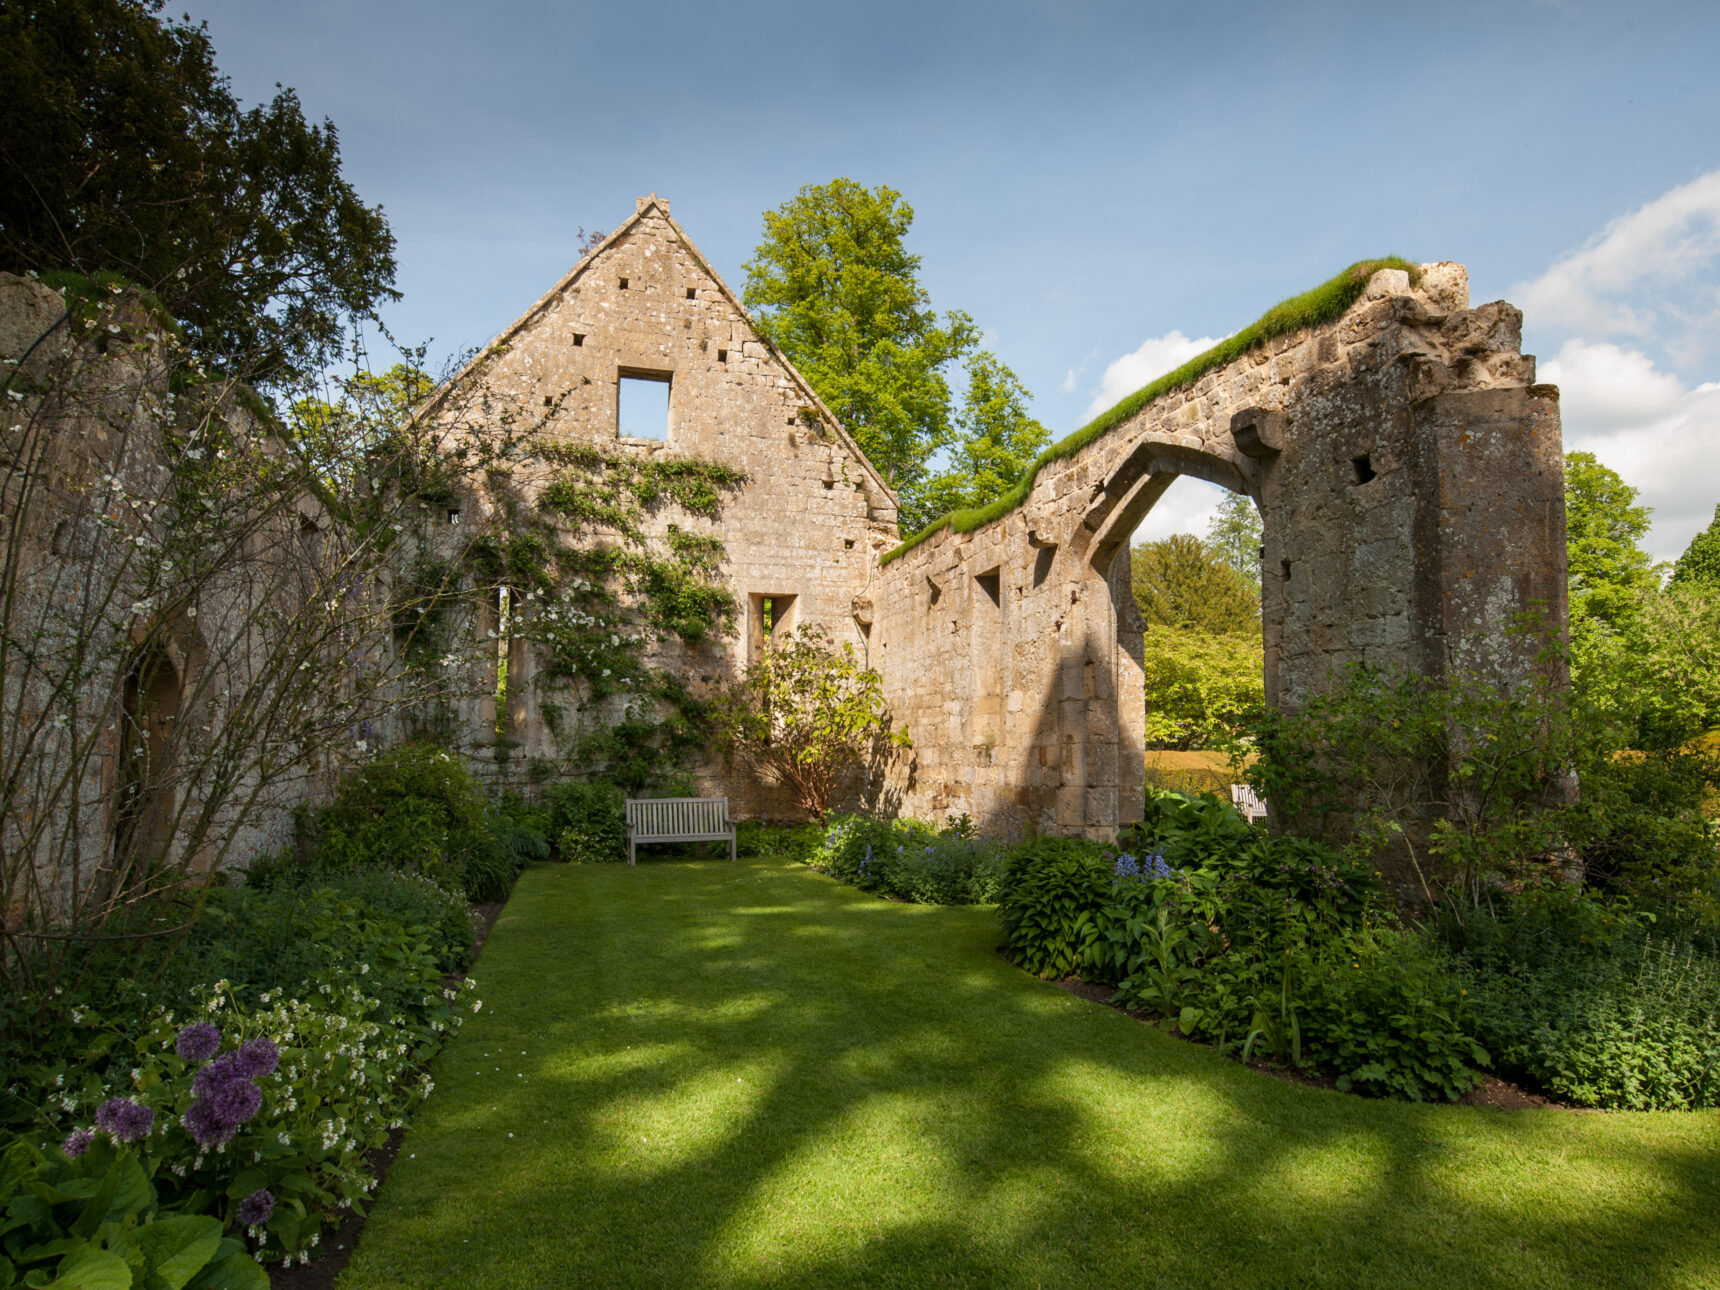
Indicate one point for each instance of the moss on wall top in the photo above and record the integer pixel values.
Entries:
(1325, 302)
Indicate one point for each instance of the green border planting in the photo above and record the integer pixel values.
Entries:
(1325, 302)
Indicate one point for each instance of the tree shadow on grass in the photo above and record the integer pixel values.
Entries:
(747, 1076)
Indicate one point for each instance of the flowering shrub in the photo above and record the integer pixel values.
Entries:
(911, 860)
(263, 1117)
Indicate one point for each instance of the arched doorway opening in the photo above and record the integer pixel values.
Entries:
(151, 694)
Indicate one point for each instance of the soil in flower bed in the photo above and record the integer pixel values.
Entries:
(1492, 1091)
(339, 1242)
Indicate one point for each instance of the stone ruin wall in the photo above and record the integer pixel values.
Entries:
(809, 522)
(1407, 467)
(1410, 477)
(83, 465)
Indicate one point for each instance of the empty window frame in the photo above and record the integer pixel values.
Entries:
(771, 619)
(642, 405)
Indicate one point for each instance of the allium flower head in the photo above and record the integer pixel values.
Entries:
(206, 1128)
(78, 1143)
(255, 1209)
(198, 1042)
(257, 1058)
(125, 1120)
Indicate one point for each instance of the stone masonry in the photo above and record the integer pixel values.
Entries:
(1410, 477)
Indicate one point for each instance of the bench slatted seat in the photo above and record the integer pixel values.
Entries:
(678, 819)
(1246, 800)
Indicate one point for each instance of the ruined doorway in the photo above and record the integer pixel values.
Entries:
(150, 697)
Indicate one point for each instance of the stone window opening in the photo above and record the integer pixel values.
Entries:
(847, 544)
(1364, 469)
(1284, 568)
(692, 294)
(453, 516)
(986, 646)
(1042, 562)
(770, 620)
(578, 339)
(722, 356)
(622, 284)
(829, 484)
(642, 401)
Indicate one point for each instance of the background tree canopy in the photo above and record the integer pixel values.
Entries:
(999, 441)
(123, 150)
(1183, 581)
(1700, 563)
(1604, 527)
(834, 287)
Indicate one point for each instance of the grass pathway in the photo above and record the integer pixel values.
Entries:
(746, 1075)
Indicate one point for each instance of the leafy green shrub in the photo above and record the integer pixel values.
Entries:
(1052, 891)
(590, 821)
(96, 1220)
(911, 860)
(412, 899)
(760, 838)
(1579, 996)
(414, 808)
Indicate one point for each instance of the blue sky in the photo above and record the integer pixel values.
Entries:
(1101, 185)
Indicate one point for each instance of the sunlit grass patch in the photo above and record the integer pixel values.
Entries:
(750, 1076)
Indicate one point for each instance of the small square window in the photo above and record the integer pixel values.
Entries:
(453, 517)
(722, 356)
(624, 284)
(578, 338)
(691, 293)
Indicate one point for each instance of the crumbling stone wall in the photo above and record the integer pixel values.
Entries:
(117, 734)
(1409, 473)
(806, 527)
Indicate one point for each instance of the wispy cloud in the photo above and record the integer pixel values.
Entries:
(1648, 275)
(1661, 437)
(1155, 357)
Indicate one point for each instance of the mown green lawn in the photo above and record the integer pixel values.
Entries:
(705, 1074)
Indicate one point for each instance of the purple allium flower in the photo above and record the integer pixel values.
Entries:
(198, 1042)
(255, 1209)
(125, 1120)
(206, 1128)
(257, 1058)
(78, 1143)
(236, 1101)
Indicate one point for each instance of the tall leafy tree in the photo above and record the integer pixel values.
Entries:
(998, 441)
(1700, 563)
(1235, 533)
(1182, 581)
(834, 287)
(123, 150)
(1604, 527)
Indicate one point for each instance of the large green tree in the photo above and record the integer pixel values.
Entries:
(1235, 533)
(998, 440)
(123, 150)
(1182, 581)
(834, 287)
(1604, 526)
(1700, 563)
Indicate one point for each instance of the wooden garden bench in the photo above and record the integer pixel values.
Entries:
(1246, 800)
(678, 819)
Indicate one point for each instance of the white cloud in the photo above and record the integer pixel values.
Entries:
(1187, 506)
(1154, 358)
(1603, 387)
(1659, 436)
(1646, 274)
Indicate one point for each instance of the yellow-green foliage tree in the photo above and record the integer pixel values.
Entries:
(1202, 653)
(806, 716)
